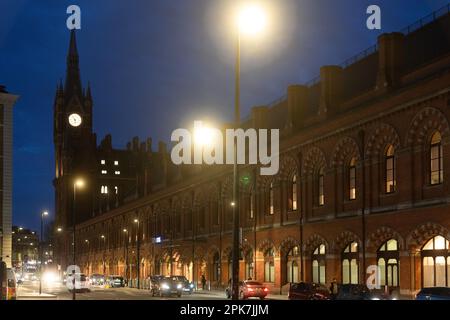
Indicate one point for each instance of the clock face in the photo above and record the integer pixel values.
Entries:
(75, 120)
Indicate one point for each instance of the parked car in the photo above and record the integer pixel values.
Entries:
(97, 279)
(436, 293)
(359, 292)
(116, 282)
(8, 284)
(187, 285)
(252, 289)
(308, 291)
(82, 283)
(166, 286)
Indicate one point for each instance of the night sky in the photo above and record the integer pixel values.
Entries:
(157, 65)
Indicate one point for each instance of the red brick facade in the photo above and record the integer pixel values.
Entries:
(397, 96)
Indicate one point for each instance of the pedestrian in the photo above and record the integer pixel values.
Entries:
(203, 282)
(334, 288)
(228, 290)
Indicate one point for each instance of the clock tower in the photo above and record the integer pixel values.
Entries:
(74, 143)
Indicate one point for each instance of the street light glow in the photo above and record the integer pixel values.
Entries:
(102, 236)
(59, 229)
(251, 19)
(203, 136)
(45, 213)
(125, 230)
(79, 183)
(136, 220)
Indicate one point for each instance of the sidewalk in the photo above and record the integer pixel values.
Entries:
(26, 293)
(221, 293)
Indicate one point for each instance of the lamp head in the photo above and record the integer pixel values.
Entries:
(79, 183)
(251, 19)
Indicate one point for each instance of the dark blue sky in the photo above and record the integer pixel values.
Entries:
(156, 65)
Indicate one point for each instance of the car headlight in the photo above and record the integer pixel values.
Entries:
(165, 286)
(179, 286)
(375, 298)
(191, 285)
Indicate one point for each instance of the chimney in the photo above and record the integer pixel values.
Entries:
(297, 99)
(330, 89)
(136, 144)
(391, 57)
(259, 117)
(149, 145)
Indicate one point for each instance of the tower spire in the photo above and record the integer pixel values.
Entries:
(73, 78)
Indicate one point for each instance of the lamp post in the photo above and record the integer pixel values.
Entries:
(79, 183)
(125, 248)
(43, 214)
(88, 251)
(251, 20)
(104, 251)
(138, 267)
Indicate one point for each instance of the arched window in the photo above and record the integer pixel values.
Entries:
(271, 208)
(389, 165)
(269, 266)
(436, 160)
(202, 217)
(352, 179)
(436, 263)
(249, 264)
(320, 187)
(214, 211)
(292, 265)
(350, 262)
(188, 220)
(293, 191)
(388, 263)
(318, 265)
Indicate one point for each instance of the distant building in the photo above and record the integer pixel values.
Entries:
(25, 249)
(7, 102)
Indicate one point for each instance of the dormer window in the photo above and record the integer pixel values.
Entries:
(116, 163)
(117, 173)
(104, 172)
(103, 162)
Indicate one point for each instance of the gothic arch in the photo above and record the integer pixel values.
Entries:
(382, 135)
(313, 242)
(227, 187)
(345, 149)
(427, 120)
(344, 239)
(288, 166)
(380, 236)
(314, 159)
(199, 198)
(265, 245)
(287, 244)
(419, 236)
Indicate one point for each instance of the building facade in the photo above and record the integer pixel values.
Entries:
(25, 250)
(364, 181)
(7, 102)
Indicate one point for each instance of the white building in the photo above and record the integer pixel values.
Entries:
(7, 102)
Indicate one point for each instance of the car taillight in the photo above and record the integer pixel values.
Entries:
(250, 289)
(266, 290)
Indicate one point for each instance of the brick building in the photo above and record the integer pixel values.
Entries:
(364, 180)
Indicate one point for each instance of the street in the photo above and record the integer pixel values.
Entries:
(30, 291)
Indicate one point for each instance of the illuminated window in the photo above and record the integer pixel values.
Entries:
(102, 161)
(104, 172)
(318, 264)
(117, 173)
(104, 189)
(390, 169)
(116, 189)
(292, 265)
(252, 206)
(388, 263)
(320, 188)
(116, 163)
(293, 196)
(271, 209)
(269, 266)
(436, 160)
(352, 179)
(436, 262)
(350, 259)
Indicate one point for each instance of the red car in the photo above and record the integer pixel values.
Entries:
(250, 288)
(308, 291)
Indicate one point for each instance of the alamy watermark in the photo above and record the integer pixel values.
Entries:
(207, 146)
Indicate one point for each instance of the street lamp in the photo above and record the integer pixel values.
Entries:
(78, 183)
(138, 267)
(251, 20)
(43, 214)
(125, 231)
(104, 253)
